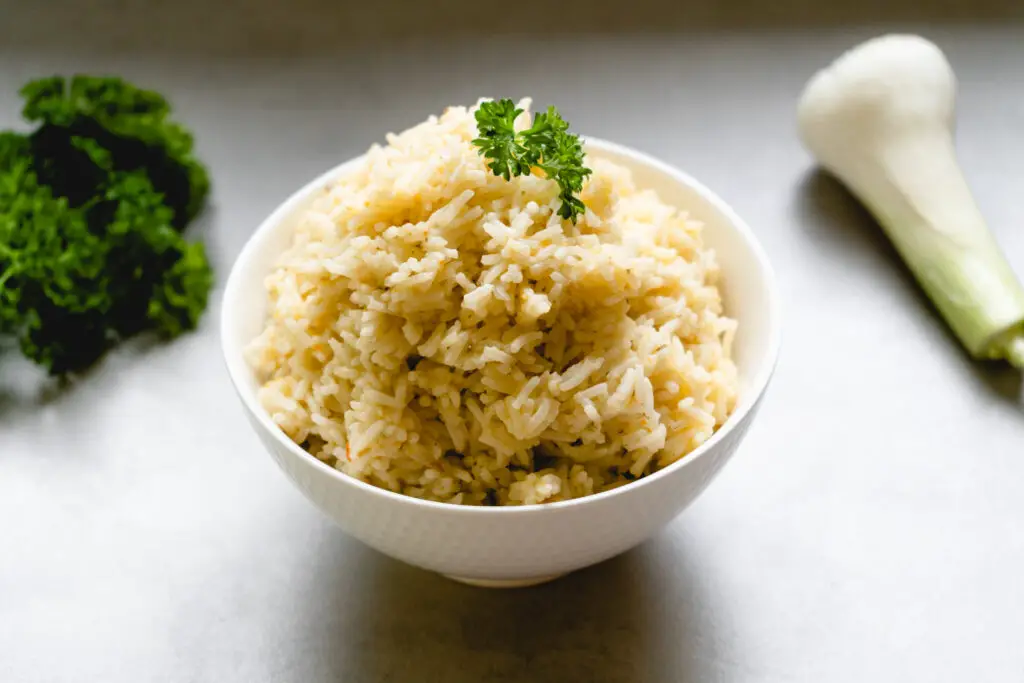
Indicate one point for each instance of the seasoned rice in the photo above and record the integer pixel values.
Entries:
(439, 331)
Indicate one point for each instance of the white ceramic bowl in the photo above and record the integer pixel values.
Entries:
(509, 546)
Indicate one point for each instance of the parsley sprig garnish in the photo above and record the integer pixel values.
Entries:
(546, 145)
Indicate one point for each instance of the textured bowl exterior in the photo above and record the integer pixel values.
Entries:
(543, 541)
(521, 545)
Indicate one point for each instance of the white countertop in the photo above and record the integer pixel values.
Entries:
(869, 529)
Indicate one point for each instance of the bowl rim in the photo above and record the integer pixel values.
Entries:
(234, 359)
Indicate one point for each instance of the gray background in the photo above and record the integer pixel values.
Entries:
(869, 529)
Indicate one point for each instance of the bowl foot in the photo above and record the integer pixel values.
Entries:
(504, 583)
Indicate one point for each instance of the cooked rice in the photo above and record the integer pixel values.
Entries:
(439, 331)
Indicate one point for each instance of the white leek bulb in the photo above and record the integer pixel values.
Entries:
(880, 119)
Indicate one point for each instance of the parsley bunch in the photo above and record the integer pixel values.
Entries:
(92, 204)
(546, 145)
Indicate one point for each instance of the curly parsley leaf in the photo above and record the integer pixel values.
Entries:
(92, 204)
(133, 126)
(546, 144)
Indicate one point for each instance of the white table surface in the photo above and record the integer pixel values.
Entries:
(871, 528)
